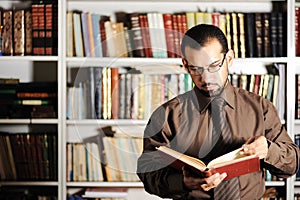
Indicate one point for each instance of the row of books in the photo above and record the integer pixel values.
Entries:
(114, 160)
(112, 93)
(30, 31)
(28, 99)
(28, 156)
(84, 162)
(270, 85)
(158, 35)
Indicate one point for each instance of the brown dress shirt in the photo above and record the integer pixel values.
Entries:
(184, 123)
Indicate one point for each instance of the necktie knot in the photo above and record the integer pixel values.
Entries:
(217, 105)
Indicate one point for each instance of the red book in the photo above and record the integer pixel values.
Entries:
(176, 35)
(169, 32)
(35, 28)
(41, 28)
(256, 83)
(145, 35)
(115, 93)
(233, 163)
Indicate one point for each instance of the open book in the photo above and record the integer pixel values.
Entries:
(233, 163)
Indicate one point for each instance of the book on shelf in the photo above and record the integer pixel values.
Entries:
(266, 34)
(28, 156)
(51, 27)
(233, 163)
(19, 32)
(258, 33)
(7, 35)
(273, 33)
(250, 35)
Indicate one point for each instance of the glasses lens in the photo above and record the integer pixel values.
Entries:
(214, 68)
(196, 70)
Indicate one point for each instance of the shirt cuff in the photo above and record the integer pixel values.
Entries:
(272, 157)
(176, 184)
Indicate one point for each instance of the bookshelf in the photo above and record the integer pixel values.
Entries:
(59, 67)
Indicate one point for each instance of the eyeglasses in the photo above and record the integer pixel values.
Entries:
(197, 70)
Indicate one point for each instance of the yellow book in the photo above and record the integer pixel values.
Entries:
(190, 19)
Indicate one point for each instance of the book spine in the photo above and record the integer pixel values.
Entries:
(7, 41)
(19, 32)
(145, 35)
(259, 36)
(241, 26)
(35, 28)
(266, 34)
(169, 32)
(274, 34)
(28, 32)
(41, 28)
(136, 34)
(49, 37)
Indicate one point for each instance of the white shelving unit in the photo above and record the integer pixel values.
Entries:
(22, 67)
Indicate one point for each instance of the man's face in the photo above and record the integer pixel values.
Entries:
(213, 76)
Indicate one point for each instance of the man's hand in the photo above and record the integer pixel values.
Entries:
(256, 146)
(209, 181)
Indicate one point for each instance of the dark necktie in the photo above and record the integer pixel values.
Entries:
(229, 189)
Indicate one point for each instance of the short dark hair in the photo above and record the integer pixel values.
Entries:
(199, 35)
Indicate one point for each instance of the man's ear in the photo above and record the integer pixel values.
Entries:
(229, 57)
(184, 62)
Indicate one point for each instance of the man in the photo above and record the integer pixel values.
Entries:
(186, 124)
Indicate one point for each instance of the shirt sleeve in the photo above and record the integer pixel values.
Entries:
(157, 176)
(283, 154)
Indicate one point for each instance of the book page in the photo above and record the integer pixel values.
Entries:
(231, 157)
(196, 163)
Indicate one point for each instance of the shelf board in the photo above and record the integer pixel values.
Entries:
(275, 183)
(140, 184)
(297, 183)
(262, 60)
(29, 183)
(28, 121)
(143, 62)
(212, 1)
(29, 58)
(119, 122)
(106, 184)
(116, 62)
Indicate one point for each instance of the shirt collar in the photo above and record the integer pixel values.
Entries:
(204, 101)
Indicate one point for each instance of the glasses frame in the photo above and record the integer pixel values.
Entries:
(199, 70)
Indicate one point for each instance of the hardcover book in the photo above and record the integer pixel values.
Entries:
(233, 163)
